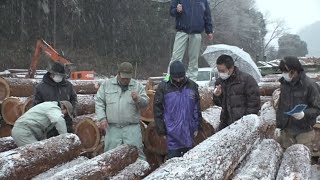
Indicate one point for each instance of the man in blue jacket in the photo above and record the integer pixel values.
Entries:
(177, 111)
(192, 18)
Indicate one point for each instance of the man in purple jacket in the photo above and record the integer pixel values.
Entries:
(177, 110)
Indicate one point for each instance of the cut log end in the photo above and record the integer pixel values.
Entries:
(89, 134)
(4, 89)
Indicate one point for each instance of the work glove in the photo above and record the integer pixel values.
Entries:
(298, 116)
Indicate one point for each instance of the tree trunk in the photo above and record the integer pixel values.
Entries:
(153, 142)
(218, 156)
(147, 113)
(4, 89)
(206, 97)
(32, 159)
(268, 114)
(7, 143)
(135, 171)
(5, 129)
(267, 88)
(255, 166)
(87, 130)
(212, 116)
(23, 87)
(12, 108)
(264, 99)
(296, 163)
(86, 104)
(61, 167)
(103, 166)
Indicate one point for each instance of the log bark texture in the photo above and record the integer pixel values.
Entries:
(86, 104)
(7, 143)
(23, 87)
(153, 142)
(103, 166)
(268, 113)
(206, 97)
(262, 162)
(267, 88)
(4, 89)
(135, 171)
(61, 167)
(32, 159)
(217, 157)
(147, 113)
(296, 163)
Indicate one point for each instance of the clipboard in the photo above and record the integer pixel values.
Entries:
(298, 108)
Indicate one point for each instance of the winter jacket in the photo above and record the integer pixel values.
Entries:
(195, 17)
(301, 90)
(42, 118)
(177, 113)
(48, 90)
(117, 106)
(240, 96)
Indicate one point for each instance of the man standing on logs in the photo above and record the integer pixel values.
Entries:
(296, 88)
(33, 125)
(117, 104)
(235, 91)
(177, 110)
(55, 87)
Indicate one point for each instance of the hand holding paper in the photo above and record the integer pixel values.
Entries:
(298, 116)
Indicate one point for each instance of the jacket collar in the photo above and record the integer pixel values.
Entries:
(48, 80)
(114, 81)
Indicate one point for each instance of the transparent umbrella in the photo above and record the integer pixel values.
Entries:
(241, 58)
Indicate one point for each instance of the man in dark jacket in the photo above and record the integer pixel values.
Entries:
(192, 18)
(54, 87)
(296, 88)
(236, 92)
(177, 110)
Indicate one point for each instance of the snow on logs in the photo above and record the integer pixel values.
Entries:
(135, 171)
(86, 104)
(7, 143)
(60, 167)
(30, 160)
(218, 156)
(296, 163)
(268, 114)
(262, 162)
(103, 166)
(24, 87)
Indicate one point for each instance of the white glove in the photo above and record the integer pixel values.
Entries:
(298, 116)
(195, 133)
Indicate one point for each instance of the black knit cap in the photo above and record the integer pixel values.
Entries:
(177, 69)
(57, 68)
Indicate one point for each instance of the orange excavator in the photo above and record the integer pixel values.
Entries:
(56, 57)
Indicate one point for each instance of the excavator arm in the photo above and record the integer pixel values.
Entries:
(49, 51)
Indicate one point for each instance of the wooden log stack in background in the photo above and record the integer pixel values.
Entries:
(13, 107)
(135, 171)
(32, 159)
(4, 89)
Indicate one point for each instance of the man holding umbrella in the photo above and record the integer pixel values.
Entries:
(236, 92)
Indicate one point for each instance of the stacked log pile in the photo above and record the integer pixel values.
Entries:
(30, 160)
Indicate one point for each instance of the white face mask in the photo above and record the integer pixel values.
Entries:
(224, 76)
(286, 77)
(57, 78)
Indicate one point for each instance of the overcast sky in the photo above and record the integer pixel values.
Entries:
(296, 13)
